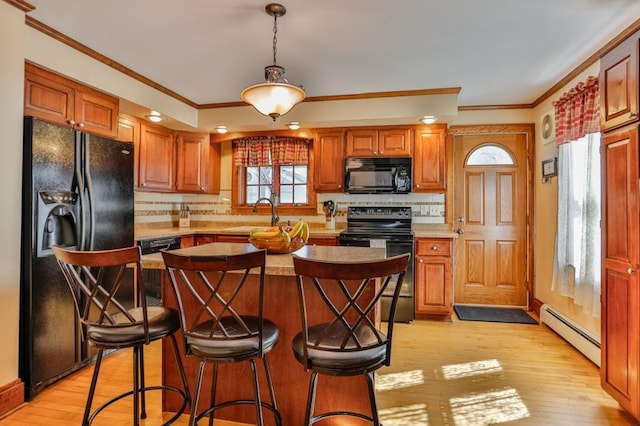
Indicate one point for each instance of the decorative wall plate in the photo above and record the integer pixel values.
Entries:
(548, 128)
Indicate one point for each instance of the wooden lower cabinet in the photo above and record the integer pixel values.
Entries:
(433, 278)
(323, 241)
(201, 239)
(187, 241)
(232, 239)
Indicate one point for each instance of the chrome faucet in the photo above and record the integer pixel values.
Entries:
(274, 218)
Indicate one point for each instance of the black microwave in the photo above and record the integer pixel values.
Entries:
(390, 175)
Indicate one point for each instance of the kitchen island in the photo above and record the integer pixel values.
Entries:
(282, 307)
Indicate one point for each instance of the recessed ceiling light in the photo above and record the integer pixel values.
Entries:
(222, 129)
(155, 116)
(428, 119)
(294, 125)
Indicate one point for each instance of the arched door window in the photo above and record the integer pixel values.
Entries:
(490, 155)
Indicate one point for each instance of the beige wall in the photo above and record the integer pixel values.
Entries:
(11, 87)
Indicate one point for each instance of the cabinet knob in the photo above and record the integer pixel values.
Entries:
(421, 261)
(631, 270)
(381, 152)
(418, 186)
(71, 123)
(434, 248)
(375, 152)
(339, 186)
(81, 125)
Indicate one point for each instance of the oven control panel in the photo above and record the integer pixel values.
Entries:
(393, 212)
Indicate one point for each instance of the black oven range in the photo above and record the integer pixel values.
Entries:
(388, 227)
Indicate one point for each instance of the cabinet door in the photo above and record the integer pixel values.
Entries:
(433, 286)
(394, 142)
(429, 165)
(96, 113)
(362, 143)
(215, 154)
(620, 250)
(156, 168)
(204, 239)
(619, 84)
(322, 241)
(192, 162)
(48, 99)
(433, 279)
(187, 241)
(328, 151)
(232, 239)
(129, 131)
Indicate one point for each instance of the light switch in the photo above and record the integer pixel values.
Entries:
(434, 210)
(424, 209)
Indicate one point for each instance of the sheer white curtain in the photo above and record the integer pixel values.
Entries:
(577, 260)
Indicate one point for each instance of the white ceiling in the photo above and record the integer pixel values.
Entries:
(498, 51)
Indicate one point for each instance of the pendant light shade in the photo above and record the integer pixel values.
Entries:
(276, 96)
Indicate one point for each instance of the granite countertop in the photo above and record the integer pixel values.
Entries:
(419, 231)
(426, 230)
(142, 233)
(276, 264)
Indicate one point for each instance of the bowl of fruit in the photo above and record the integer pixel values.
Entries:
(280, 239)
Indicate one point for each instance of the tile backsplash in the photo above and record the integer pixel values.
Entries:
(155, 208)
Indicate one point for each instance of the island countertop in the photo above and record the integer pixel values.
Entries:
(276, 264)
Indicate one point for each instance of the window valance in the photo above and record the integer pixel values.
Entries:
(270, 150)
(577, 112)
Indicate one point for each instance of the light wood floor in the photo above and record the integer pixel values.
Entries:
(456, 373)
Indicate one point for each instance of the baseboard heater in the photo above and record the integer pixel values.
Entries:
(576, 335)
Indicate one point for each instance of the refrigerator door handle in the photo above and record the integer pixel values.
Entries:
(88, 191)
(80, 187)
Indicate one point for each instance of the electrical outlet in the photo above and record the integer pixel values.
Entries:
(424, 209)
(434, 210)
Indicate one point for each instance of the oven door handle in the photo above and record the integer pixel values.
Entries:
(360, 239)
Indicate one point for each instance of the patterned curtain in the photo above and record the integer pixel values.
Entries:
(253, 151)
(268, 150)
(290, 151)
(578, 112)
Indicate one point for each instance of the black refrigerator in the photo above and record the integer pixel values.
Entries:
(77, 192)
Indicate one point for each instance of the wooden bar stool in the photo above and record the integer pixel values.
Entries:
(94, 278)
(350, 343)
(220, 332)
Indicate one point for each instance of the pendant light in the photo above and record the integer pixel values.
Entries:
(276, 96)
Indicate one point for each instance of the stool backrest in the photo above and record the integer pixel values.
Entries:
(95, 278)
(212, 287)
(351, 291)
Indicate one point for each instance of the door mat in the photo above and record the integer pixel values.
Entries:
(488, 314)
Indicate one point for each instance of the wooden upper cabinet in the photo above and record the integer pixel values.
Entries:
(129, 131)
(328, 149)
(619, 84)
(53, 98)
(96, 112)
(192, 161)
(392, 142)
(429, 159)
(215, 157)
(156, 159)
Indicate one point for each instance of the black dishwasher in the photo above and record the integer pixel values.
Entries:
(153, 277)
